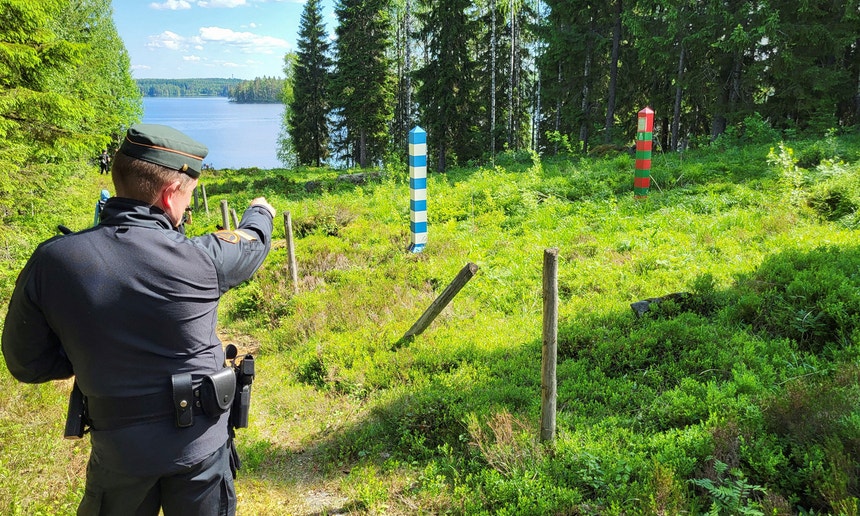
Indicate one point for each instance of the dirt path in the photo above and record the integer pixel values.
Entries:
(289, 479)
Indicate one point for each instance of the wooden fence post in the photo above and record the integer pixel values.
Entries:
(549, 354)
(205, 200)
(225, 215)
(442, 301)
(291, 250)
(235, 218)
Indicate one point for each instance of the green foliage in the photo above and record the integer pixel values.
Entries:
(810, 297)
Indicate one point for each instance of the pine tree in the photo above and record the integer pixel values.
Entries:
(363, 85)
(309, 109)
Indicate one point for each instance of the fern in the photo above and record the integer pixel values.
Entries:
(731, 494)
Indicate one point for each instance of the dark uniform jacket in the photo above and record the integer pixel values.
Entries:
(125, 305)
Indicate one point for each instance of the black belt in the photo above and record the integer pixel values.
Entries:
(110, 413)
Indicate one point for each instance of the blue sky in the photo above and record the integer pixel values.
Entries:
(178, 39)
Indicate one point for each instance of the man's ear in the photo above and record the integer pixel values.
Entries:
(167, 195)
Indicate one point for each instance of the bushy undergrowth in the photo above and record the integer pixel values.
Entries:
(735, 393)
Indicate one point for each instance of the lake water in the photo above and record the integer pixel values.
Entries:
(238, 135)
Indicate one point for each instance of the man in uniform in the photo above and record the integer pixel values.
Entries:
(129, 307)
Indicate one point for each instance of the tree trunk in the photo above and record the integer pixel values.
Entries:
(676, 115)
(586, 79)
(493, 80)
(857, 96)
(613, 75)
(362, 148)
(558, 112)
(665, 123)
(408, 65)
(510, 123)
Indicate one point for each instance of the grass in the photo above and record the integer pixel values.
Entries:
(748, 385)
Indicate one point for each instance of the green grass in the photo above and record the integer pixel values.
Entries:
(740, 398)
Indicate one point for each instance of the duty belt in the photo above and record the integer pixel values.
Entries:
(210, 395)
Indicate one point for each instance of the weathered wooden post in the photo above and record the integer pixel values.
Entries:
(225, 215)
(418, 188)
(234, 217)
(644, 144)
(205, 200)
(549, 356)
(442, 301)
(291, 251)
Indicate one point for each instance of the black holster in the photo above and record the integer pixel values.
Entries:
(242, 402)
(76, 416)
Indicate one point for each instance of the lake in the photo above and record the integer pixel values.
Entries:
(238, 135)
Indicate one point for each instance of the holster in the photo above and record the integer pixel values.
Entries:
(217, 391)
(76, 417)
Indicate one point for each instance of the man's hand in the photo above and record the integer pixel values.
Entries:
(261, 201)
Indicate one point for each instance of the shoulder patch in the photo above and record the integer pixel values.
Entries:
(228, 236)
(233, 237)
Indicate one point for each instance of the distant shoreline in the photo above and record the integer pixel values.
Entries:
(207, 97)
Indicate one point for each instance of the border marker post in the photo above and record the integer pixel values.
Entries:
(418, 188)
(644, 144)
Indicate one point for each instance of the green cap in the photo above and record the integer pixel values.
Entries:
(164, 146)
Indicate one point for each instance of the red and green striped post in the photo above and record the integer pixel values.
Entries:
(644, 132)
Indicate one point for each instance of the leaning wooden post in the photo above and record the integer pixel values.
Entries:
(550, 344)
(234, 217)
(291, 251)
(225, 216)
(442, 301)
(205, 200)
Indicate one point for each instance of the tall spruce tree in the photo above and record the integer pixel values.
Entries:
(364, 82)
(308, 119)
(448, 90)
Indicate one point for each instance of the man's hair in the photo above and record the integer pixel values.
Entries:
(138, 179)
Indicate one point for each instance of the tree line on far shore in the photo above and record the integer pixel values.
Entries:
(258, 90)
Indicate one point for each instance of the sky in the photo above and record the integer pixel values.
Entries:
(181, 39)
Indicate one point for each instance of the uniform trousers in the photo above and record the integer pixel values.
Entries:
(205, 489)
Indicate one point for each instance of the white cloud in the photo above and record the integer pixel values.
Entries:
(168, 40)
(171, 5)
(191, 58)
(141, 67)
(246, 41)
(221, 3)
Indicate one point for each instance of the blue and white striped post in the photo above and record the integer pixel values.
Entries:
(418, 188)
